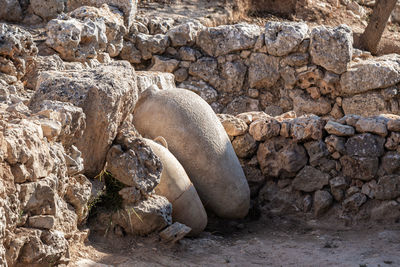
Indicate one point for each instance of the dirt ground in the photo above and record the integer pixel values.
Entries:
(267, 242)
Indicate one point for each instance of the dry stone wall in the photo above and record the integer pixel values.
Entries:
(346, 169)
(277, 68)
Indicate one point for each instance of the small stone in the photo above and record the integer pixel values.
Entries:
(339, 129)
(365, 145)
(164, 64)
(42, 221)
(387, 188)
(175, 232)
(354, 202)
(322, 201)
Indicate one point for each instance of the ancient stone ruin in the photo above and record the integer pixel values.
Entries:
(157, 125)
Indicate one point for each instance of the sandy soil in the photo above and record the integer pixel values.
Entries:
(272, 242)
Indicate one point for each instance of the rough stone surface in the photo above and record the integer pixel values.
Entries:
(365, 145)
(388, 187)
(369, 104)
(245, 146)
(150, 215)
(322, 202)
(264, 129)
(363, 168)
(372, 125)
(310, 179)
(136, 166)
(332, 48)
(371, 74)
(10, 11)
(128, 7)
(223, 40)
(106, 99)
(281, 38)
(339, 129)
(263, 70)
(279, 157)
(233, 126)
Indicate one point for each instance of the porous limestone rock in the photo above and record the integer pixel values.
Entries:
(264, 129)
(368, 104)
(145, 79)
(232, 125)
(135, 165)
(184, 34)
(151, 44)
(107, 94)
(362, 76)
(145, 217)
(281, 38)
(263, 70)
(245, 146)
(128, 7)
(307, 127)
(279, 157)
(17, 50)
(198, 140)
(162, 64)
(332, 48)
(310, 179)
(204, 90)
(222, 40)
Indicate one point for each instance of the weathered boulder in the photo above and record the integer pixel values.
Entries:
(10, 10)
(17, 50)
(222, 40)
(304, 104)
(279, 157)
(332, 48)
(128, 7)
(242, 104)
(310, 179)
(317, 152)
(263, 70)
(281, 38)
(135, 165)
(86, 33)
(151, 44)
(78, 193)
(390, 163)
(107, 94)
(380, 72)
